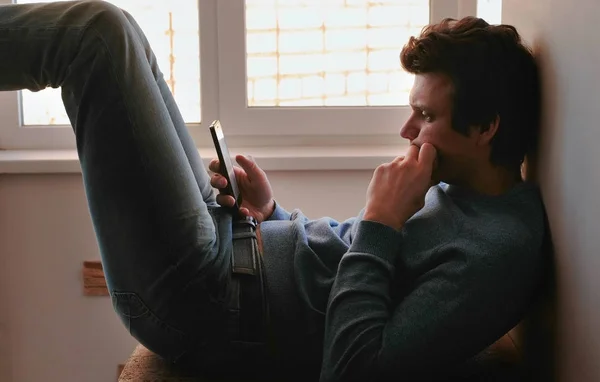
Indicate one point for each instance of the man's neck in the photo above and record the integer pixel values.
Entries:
(492, 180)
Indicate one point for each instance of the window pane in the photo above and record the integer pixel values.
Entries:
(490, 10)
(329, 53)
(172, 30)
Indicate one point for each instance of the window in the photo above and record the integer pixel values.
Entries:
(273, 71)
(302, 53)
(490, 10)
(172, 30)
(36, 120)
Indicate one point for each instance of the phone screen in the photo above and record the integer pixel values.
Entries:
(225, 160)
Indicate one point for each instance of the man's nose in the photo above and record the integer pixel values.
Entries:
(409, 131)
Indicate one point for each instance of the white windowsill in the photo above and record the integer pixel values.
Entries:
(269, 158)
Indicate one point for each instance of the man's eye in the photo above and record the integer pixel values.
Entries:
(426, 116)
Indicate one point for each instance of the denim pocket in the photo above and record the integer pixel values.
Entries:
(147, 328)
(129, 305)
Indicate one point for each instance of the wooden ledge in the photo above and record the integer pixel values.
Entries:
(498, 361)
(145, 366)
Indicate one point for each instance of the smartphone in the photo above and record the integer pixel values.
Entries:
(216, 131)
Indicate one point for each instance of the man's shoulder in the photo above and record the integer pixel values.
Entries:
(512, 223)
(521, 204)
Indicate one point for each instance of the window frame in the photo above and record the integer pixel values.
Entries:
(379, 123)
(223, 96)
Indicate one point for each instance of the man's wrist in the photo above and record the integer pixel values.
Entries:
(269, 209)
(384, 219)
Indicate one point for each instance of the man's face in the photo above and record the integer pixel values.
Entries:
(431, 121)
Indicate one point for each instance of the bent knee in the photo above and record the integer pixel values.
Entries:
(107, 20)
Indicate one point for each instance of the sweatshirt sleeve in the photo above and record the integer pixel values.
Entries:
(455, 309)
(279, 213)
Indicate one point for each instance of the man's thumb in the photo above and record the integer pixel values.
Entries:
(248, 164)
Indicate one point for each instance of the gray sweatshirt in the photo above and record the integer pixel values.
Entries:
(358, 300)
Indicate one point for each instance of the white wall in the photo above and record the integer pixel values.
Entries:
(53, 333)
(565, 35)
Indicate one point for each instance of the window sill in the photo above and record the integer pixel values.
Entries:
(269, 158)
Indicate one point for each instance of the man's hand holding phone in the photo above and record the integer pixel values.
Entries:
(397, 189)
(257, 194)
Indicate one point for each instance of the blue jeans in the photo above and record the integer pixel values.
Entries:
(165, 243)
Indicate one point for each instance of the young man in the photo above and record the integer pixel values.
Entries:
(426, 276)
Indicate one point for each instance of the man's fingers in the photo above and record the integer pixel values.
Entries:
(412, 152)
(214, 165)
(218, 181)
(225, 200)
(427, 154)
(398, 159)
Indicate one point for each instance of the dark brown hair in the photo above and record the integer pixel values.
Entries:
(494, 75)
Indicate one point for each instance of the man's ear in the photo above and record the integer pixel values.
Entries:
(485, 135)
